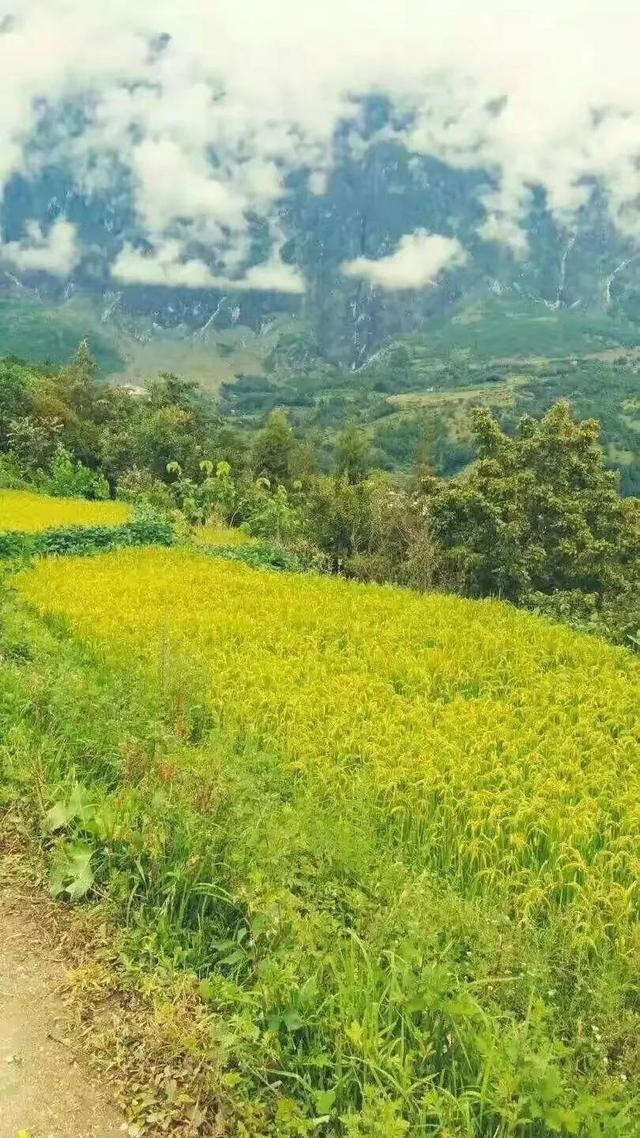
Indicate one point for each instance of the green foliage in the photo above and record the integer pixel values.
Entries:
(337, 517)
(211, 494)
(69, 425)
(353, 455)
(67, 478)
(16, 381)
(496, 352)
(260, 555)
(267, 512)
(273, 449)
(538, 512)
(143, 490)
(615, 618)
(71, 873)
(11, 473)
(85, 540)
(14, 544)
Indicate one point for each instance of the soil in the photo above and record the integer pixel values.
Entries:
(46, 1090)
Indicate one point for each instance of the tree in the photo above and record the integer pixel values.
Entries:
(77, 381)
(353, 454)
(33, 441)
(303, 463)
(432, 439)
(68, 478)
(268, 512)
(273, 449)
(16, 396)
(168, 434)
(538, 512)
(338, 517)
(169, 390)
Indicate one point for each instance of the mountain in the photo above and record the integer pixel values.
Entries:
(397, 294)
(377, 194)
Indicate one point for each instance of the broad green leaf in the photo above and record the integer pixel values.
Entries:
(58, 817)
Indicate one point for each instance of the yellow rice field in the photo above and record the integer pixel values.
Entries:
(503, 750)
(29, 513)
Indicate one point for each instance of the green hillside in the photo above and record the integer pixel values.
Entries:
(128, 348)
(32, 331)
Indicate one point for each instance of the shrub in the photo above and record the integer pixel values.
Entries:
(260, 555)
(13, 544)
(11, 473)
(68, 478)
(85, 540)
(616, 619)
(141, 487)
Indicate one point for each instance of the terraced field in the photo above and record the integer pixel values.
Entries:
(399, 842)
(27, 512)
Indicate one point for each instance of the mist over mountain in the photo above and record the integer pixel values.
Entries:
(362, 168)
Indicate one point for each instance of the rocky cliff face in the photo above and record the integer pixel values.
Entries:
(390, 240)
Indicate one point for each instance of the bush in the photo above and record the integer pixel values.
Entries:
(616, 619)
(85, 540)
(11, 473)
(13, 544)
(68, 478)
(261, 556)
(140, 487)
(268, 511)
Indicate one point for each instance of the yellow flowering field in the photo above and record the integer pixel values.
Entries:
(505, 749)
(29, 513)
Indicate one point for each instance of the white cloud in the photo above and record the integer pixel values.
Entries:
(56, 252)
(271, 276)
(416, 261)
(170, 265)
(178, 183)
(502, 229)
(209, 123)
(162, 267)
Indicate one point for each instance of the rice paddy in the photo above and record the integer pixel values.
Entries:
(24, 511)
(429, 810)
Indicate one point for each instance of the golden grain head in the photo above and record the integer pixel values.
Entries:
(506, 748)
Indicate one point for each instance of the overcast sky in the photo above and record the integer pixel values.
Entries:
(544, 92)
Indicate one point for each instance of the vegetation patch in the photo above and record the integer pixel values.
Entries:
(84, 540)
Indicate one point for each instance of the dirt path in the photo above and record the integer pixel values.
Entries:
(44, 1090)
